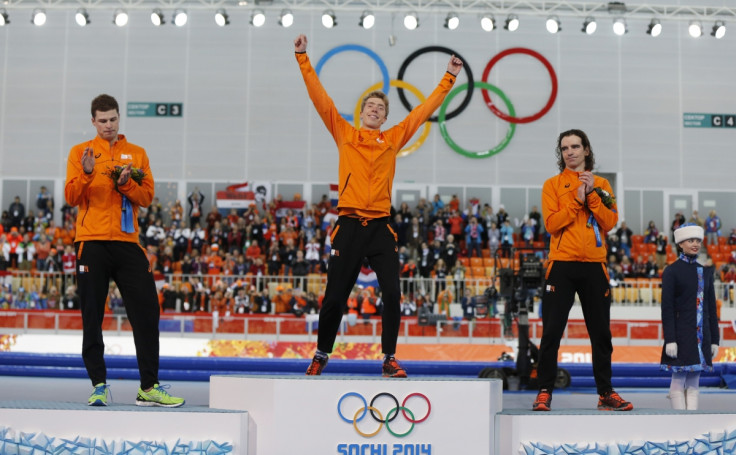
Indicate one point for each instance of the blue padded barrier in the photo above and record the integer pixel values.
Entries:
(640, 375)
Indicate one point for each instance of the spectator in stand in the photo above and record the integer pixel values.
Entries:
(273, 258)
(450, 252)
(415, 236)
(712, 228)
(195, 199)
(67, 233)
(494, 238)
(406, 214)
(439, 231)
(454, 204)
(536, 217)
(155, 234)
(253, 251)
(182, 237)
(42, 201)
(507, 238)
(678, 221)
(527, 232)
(423, 213)
(30, 223)
(425, 261)
(5, 222)
(312, 253)
(502, 215)
(473, 240)
(639, 267)
(486, 218)
(732, 237)
(440, 275)
(696, 219)
(651, 270)
(212, 217)
(43, 248)
(661, 251)
(69, 260)
(176, 214)
(437, 205)
(444, 299)
(288, 254)
(13, 239)
(624, 237)
(627, 268)
(26, 252)
(651, 233)
(17, 212)
(299, 270)
(198, 238)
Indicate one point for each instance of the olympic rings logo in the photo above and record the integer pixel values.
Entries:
(443, 116)
(378, 416)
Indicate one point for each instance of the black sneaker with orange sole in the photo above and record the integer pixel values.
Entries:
(543, 401)
(612, 401)
(317, 365)
(392, 369)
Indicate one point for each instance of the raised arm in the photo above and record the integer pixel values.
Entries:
(317, 93)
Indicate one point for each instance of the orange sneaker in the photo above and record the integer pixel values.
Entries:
(543, 401)
(612, 401)
(392, 369)
(316, 367)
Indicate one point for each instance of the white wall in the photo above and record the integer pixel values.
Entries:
(247, 115)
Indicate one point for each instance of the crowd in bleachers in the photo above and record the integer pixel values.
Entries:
(269, 260)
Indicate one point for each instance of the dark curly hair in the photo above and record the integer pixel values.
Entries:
(589, 160)
(104, 103)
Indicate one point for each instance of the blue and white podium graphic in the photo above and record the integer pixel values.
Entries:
(364, 415)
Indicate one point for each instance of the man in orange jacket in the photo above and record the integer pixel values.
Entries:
(367, 162)
(578, 209)
(108, 178)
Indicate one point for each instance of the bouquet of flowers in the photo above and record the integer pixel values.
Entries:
(136, 174)
(606, 197)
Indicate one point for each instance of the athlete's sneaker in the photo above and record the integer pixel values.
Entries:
(612, 401)
(392, 369)
(99, 395)
(158, 396)
(317, 365)
(543, 401)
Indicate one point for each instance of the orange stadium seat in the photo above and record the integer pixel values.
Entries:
(476, 262)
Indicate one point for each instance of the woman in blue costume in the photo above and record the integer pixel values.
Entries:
(689, 319)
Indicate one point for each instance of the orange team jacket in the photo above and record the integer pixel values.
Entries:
(566, 219)
(367, 158)
(99, 203)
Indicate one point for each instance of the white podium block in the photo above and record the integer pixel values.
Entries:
(326, 414)
(131, 425)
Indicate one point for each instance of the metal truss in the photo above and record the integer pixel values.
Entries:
(500, 8)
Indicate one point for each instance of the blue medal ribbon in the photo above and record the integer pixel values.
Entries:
(594, 224)
(126, 216)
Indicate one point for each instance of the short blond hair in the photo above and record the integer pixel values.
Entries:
(375, 94)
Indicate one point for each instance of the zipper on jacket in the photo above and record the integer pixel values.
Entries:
(346, 184)
(560, 241)
(85, 214)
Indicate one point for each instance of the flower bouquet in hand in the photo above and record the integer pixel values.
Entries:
(136, 174)
(606, 197)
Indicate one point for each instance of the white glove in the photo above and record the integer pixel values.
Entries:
(714, 351)
(671, 350)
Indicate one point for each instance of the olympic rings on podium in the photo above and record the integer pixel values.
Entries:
(450, 52)
(468, 153)
(357, 48)
(511, 118)
(364, 407)
(411, 148)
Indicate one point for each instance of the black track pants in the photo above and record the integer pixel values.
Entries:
(127, 265)
(589, 280)
(352, 240)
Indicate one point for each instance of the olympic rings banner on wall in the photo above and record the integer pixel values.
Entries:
(443, 116)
